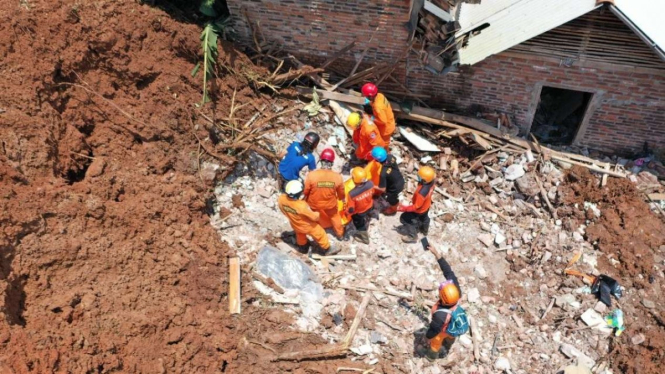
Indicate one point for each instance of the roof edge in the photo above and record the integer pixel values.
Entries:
(648, 41)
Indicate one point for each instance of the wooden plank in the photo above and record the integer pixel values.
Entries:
(331, 95)
(435, 10)
(418, 141)
(334, 257)
(338, 54)
(656, 196)
(234, 285)
(481, 142)
(348, 339)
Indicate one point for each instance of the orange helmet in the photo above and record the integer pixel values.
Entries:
(359, 175)
(426, 174)
(448, 293)
(353, 120)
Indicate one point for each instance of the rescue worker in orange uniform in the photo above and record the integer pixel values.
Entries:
(303, 220)
(449, 296)
(416, 216)
(360, 201)
(323, 187)
(366, 135)
(390, 182)
(384, 118)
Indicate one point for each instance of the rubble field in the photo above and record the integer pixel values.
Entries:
(122, 200)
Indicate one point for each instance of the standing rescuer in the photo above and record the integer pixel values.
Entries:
(303, 220)
(298, 155)
(323, 188)
(360, 201)
(366, 135)
(416, 216)
(448, 320)
(391, 181)
(384, 118)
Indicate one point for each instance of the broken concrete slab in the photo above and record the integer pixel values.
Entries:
(487, 239)
(514, 172)
(572, 352)
(596, 321)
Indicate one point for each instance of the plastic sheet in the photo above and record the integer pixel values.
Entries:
(292, 273)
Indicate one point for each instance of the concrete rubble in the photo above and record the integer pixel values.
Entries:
(499, 224)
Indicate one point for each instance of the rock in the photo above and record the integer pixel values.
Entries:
(563, 300)
(544, 328)
(576, 369)
(480, 271)
(96, 167)
(377, 338)
(578, 237)
(572, 352)
(362, 350)
(349, 313)
(514, 172)
(486, 239)
(638, 339)
(648, 304)
(499, 239)
(502, 364)
(556, 336)
(593, 318)
(600, 307)
(465, 340)
(473, 295)
(527, 185)
(448, 217)
(494, 200)
(485, 226)
(491, 318)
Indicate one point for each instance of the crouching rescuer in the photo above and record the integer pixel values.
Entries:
(416, 216)
(303, 220)
(448, 319)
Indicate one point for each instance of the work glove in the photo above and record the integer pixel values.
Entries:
(405, 208)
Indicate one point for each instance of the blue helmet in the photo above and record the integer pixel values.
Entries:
(379, 154)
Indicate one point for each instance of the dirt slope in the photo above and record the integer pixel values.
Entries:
(109, 263)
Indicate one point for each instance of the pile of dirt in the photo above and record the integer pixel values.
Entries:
(109, 261)
(632, 238)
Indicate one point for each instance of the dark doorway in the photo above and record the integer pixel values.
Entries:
(559, 115)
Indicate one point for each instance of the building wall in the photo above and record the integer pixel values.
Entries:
(629, 102)
(318, 28)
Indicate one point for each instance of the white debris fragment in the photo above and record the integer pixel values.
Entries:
(514, 172)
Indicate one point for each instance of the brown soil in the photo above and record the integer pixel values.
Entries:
(109, 263)
(629, 232)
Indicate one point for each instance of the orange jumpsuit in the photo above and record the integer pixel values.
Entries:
(383, 117)
(367, 136)
(322, 190)
(422, 198)
(303, 220)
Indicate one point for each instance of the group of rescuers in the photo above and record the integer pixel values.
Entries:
(313, 205)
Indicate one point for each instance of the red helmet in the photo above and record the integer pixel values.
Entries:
(328, 155)
(369, 90)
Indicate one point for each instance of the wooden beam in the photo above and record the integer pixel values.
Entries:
(338, 54)
(348, 339)
(438, 11)
(334, 257)
(331, 95)
(234, 285)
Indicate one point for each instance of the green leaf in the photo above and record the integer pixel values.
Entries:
(196, 69)
(208, 8)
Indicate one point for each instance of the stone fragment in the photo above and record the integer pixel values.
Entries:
(638, 339)
(486, 239)
(514, 172)
(473, 295)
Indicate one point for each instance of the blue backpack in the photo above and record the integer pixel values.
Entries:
(458, 324)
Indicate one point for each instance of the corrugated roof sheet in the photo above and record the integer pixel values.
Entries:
(511, 22)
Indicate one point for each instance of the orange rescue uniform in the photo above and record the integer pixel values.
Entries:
(303, 220)
(367, 136)
(361, 198)
(323, 188)
(383, 117)
(421, 201)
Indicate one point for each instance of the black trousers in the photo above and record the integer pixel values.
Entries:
(419, 220)
(361, 220)
(392, 197)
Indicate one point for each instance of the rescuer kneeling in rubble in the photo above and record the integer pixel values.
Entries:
(448, 319)
(360, 201)
(389, 182)
(303, 220)
(416, 216)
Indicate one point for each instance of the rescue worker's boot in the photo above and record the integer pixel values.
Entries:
(424, 228)
(303, 248)
(427, 352)
(390, 211)
(410, 235)
(333, 250)
(362, 236)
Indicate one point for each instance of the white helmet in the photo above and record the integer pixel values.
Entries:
(294, 189)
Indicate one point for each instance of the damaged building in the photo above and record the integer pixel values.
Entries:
(572, 72)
